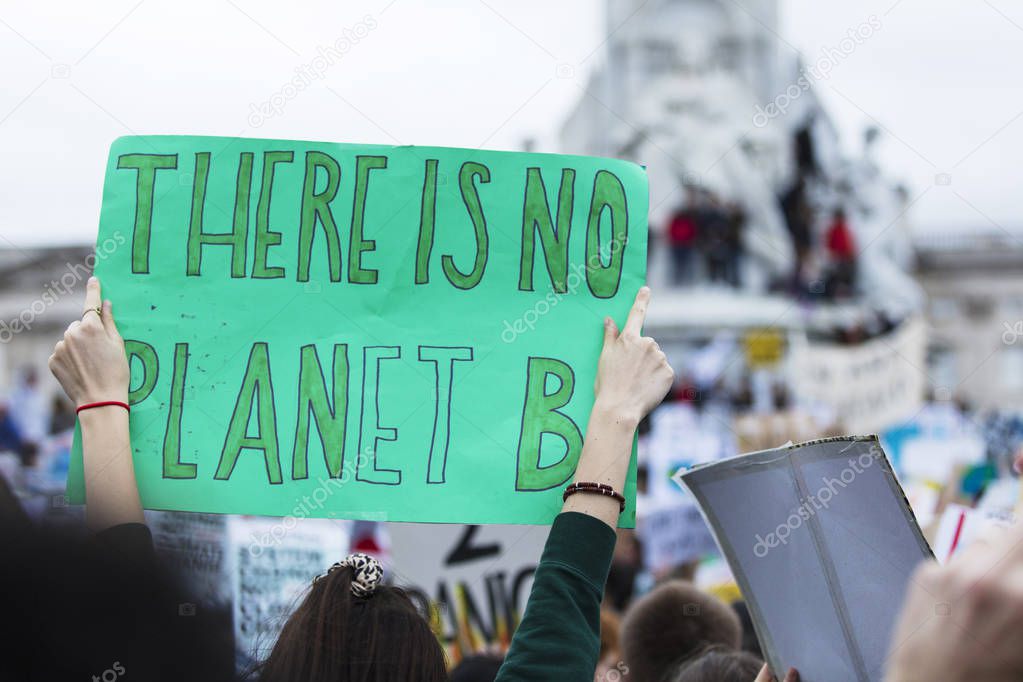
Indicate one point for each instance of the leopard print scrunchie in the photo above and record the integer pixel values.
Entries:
(366, 573)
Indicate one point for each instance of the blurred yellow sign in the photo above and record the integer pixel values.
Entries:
(764, 347)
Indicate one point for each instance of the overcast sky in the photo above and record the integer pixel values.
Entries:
(941, 77)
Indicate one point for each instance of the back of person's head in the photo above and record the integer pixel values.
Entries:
(719, 665)
(672, 624)
(350, 627)
(477, 668)
(85, 608)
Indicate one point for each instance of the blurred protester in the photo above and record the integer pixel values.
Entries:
(671, 625)
(10, 435)
(610, 660)
(715, 239)
(626, 563)
(477, 668)
(803, 150)
(28, 408)
(685, 390)
(718, 664)
(808, 284)
(733, 240)
(683, 232)
(798, 218)
(841, 249)
(742, 398)
(62, 416)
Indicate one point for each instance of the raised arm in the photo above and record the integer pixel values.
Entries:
(91, 366)
(559, 637)
(633, 376)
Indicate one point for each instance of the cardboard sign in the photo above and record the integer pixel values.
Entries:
(822, 544)
(474, 580)
(365, 332)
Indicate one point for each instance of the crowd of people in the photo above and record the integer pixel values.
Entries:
(705, 239)
(103, 607)
(825, 259)
(705, 236)
(26, 420)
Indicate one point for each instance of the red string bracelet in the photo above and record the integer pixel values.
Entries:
(104, 403)
(595, 488)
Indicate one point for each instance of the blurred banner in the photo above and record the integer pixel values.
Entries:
(472, 580)
(870, 386)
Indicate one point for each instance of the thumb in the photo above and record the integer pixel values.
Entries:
(765, 675)
(610, 332)
(108, 320)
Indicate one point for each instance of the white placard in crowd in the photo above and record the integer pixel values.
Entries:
(673, 535)
(960, 526)
(271, 564)
(195, 546)
(870, 386)
(477, 577)
(681, 437)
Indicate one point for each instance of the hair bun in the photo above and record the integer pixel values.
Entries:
(366, 573)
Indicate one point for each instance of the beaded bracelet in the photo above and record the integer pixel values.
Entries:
(595, 488)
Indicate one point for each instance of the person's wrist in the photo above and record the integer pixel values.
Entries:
(609, 410)
(102, 396)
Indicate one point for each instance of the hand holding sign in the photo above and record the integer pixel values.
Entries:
(633, 374)
(90, 363)
(91, 366)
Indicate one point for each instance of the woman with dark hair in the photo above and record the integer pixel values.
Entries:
(349, 626)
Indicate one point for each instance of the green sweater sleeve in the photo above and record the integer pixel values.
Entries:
(559, 637)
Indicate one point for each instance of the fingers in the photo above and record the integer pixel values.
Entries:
(58, 353)
(108, 320)
(638, 313)
(93, 299)
(610, 332)
(792, 675)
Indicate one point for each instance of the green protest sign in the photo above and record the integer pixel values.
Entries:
(364, 332)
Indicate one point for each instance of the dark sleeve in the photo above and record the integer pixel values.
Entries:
(130, 541)
(559, 637)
